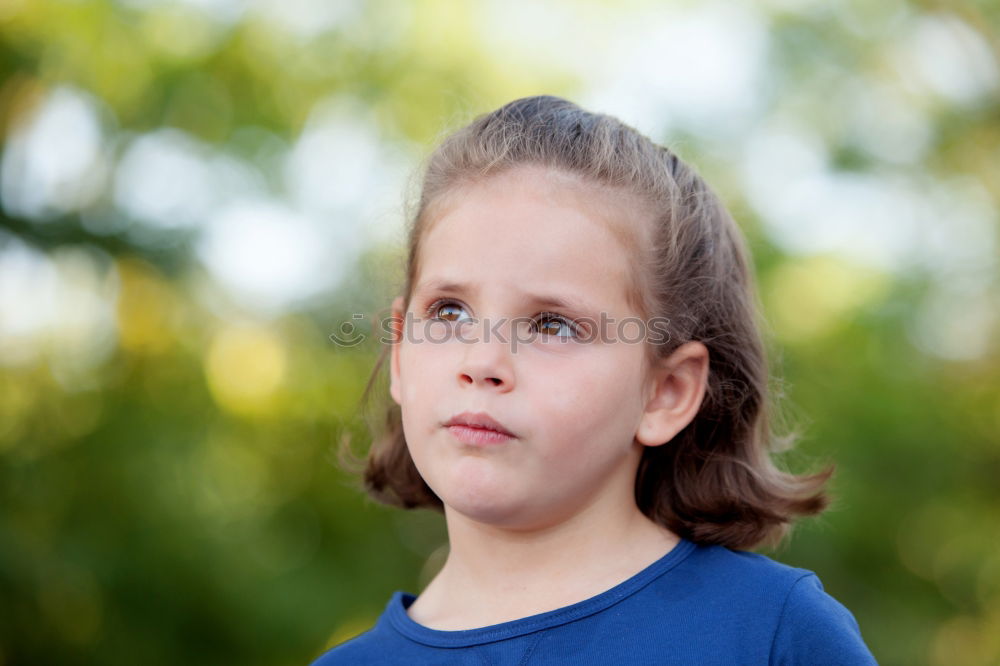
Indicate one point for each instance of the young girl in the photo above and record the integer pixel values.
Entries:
(582, 391)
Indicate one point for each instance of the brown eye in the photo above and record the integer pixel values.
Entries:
(445, 311)
(550, 324)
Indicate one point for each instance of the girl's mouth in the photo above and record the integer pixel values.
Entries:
(479, 421)
(476, 436)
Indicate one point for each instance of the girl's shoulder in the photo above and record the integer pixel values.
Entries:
(752, 569)
(808, 624)
(366, 648)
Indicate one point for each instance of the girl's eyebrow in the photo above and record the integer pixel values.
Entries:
(542, 300)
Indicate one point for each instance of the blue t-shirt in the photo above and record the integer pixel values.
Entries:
(698, 604)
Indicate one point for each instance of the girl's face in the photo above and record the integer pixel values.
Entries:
(505, 246)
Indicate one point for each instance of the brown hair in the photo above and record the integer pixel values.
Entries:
(715, 482)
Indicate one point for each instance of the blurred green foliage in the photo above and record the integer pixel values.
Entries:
(169, 485)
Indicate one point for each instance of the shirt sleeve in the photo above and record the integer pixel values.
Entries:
(818, 630)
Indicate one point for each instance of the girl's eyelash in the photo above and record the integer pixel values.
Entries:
(541, 316)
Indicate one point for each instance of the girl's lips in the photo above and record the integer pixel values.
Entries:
(480, 420)
(474, 436)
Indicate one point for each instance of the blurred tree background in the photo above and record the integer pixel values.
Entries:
(197, 193)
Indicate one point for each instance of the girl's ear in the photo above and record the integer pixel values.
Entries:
(677, 387)
(396, 327)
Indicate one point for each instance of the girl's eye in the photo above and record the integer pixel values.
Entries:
(444, 310)
(549, 323)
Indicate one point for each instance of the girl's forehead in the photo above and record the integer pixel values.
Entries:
(533, 226)
(623, 214)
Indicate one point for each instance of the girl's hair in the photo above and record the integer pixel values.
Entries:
(714, 482)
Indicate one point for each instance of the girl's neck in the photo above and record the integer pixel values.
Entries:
(494, 575)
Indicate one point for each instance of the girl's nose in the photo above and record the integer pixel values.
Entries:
(487, 361)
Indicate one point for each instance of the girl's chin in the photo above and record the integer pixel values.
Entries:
(505, 511)
(500, 508)
(485, 492)
(479, 505)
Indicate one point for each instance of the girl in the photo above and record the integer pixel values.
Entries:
(581, 390)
